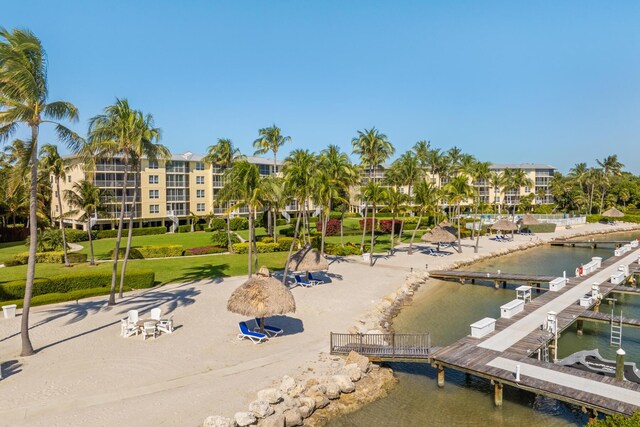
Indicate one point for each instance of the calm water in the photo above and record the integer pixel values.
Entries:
(446, 310)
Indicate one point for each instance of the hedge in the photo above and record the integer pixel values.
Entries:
(348, 249)
(204, 250)
(152, 251)
(626, 218)
(74, 281)
(239, 223)
(217, 224)
(144, 231)
(265, 245)
(369, 222)
(74, 236)
(543, 227)
(54, 257)
(220, 238)
(333, 227)
(385, 225)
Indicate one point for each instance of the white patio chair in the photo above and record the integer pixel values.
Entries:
(156, 313)
(165, 325)
(149, 329)
(127, 329)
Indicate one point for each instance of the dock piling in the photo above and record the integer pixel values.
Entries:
(497, 393)
(440, 376)
(580, 324)
(620, 364)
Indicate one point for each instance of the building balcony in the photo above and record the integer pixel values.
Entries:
(184, 198)
(113, 183)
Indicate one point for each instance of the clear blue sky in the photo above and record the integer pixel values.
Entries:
(539, 81)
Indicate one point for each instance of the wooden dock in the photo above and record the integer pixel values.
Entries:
(626, 290)
(588, 243)
(532, 280)
(384, 347)
(607, 318)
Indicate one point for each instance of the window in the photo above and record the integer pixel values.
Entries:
(69, 179)
(200, 207)
(153, 179)
(154, 194)
(154, 209)
(153, 165)
(527, 190)
(199, 179)
(199, 194)
(56, 208)
(199, 166)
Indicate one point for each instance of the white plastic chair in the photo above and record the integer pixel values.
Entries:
(156, 313)
(149, 329)
(132, 316)
(166, 325)
(126, 329)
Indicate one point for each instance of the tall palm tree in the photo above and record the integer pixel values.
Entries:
(425, 199)
(481, 173)
(376, 194)
(86, 198)
(276, 197)
(223, 153)
(459, 190)
(24, 101)
(514, 179)
(496, 182)
(55, 166)
(271, 139)
(243, 184)
(374, 149)
(610, 167)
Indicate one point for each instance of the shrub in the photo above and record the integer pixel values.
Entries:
(243, 248)
(220, 238)
(239, 223)
(56, 257)
(217, 224)
(541, 228)
(333, 227)
(75, 236)
(13, 234)
(313, 219)
(281, 221)
(348, 249)
(144, 231)
(203, 250)
(152, 251)
(73, 281)
(288, 231)
(284, 243)
(385, 226)
(369, 223)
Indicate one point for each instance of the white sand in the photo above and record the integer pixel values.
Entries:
(86, 374)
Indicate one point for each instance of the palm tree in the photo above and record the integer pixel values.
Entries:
(270, 139)
(610, 167)
(86, 197)
(56, 167)
(425, 198)
(193, 219)
(376, 195)
(410, 173)
(243, 184)
(373, 148)
(298, 173)
(395, 201)
(514, 179)
(23, 100)
(458, 191)
(223, 153)
(496, 181)
(481, 173)
(276, 197)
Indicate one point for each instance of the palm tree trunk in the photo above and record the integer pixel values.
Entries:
(393, 229)
(275, 225)
(325, 221)
(293, 242)
(364, 226)
(91, 260)
(459, 245)
(250, 264)
(373, 234)
(229, 233)
(342, 229)
(475, 250)
(404, 217)
(413, 235)
(27, 347)
(129, 235)
(64, 236)
(116, 250)
(255, 245)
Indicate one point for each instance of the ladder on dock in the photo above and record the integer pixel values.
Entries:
(616, 331)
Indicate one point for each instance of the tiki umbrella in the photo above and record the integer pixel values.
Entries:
(261, 296)
(438, 235)
(504, 225)
(308, 259)
(446, 225)
(613, 213)
(528, 219)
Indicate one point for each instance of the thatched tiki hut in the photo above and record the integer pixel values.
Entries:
(504, 225)
(613, 213)
(307, 259)
(261, 296)
(438, 235)
(527, 220)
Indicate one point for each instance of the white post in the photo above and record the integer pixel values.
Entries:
(517, 373)
(564, 274)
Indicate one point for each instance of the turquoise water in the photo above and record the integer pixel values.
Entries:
(446, 309)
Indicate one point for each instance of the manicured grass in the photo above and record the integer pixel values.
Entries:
(10, 249)
(383, 241)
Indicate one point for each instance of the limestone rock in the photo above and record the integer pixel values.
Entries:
(305, 411)
(218, 421)
(275, 420)
(353, 372)
(309, 402)
(244, 418)
(260, 408)
(361, 361)
(333, 390)
(287, 384)
(270, 395)
(344, 383)
(292, 417)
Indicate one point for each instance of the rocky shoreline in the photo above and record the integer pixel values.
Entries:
(333, 386)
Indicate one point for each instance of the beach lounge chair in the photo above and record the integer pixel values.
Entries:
(314, 280)
(156, 313)
(149, 329)
(255, 337)
(165, 325)
(272, 331)
(129, 325)
(301, 282)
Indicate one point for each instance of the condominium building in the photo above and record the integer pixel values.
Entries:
(168, 191)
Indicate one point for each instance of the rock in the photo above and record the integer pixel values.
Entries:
(309, 402)
(353, 372)
(344, 383)
(321, 400)
(244, 418)
(361, 361)
(218, 421)
(318, 389)
(260, 408)
(292, 417)
(333, 390)
(275, 420)
(287, 384)
(270, 395)
(305, 411)
(289, 402)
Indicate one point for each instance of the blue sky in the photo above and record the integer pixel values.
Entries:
(509, 82)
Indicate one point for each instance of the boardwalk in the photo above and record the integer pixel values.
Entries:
(497, 278)
(591, 243)
(606, 318)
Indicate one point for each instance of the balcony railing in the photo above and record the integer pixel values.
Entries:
(184, 198)
(113, 183)
(112, 168)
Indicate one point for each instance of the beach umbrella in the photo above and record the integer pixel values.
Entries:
(528, 219)
(438, 235)
(308, 259)
(446, 225)
(504, 225)
(613, 213)
(261, 296)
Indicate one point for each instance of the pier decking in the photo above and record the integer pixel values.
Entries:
(590, 243)
(606, 318)
(472, 276)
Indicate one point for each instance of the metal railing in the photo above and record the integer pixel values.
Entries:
(113, 183)
(402, 346)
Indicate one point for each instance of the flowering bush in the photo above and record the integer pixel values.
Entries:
(385, 226)
(369, 223)
(203, 250)
(333, 227)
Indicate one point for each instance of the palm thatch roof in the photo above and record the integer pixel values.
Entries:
(528, 219)
(308, 259)
(446, 225)
(613, 213)
(504, 225)
(437, 235)
(261, 296)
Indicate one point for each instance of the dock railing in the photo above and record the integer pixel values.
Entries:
(386, 346)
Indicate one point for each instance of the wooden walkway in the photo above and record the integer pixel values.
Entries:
(606, 318)
(626, 290)
(589, 243)
(384, 347)
(497, 278)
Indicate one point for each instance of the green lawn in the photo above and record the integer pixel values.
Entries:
(10, 249)
(383, 241)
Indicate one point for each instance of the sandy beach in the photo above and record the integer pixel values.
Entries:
(85, 373)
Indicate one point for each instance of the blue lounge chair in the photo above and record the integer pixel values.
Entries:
(255, 337)
(272, 331)
(314, 280)
(301, 282)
